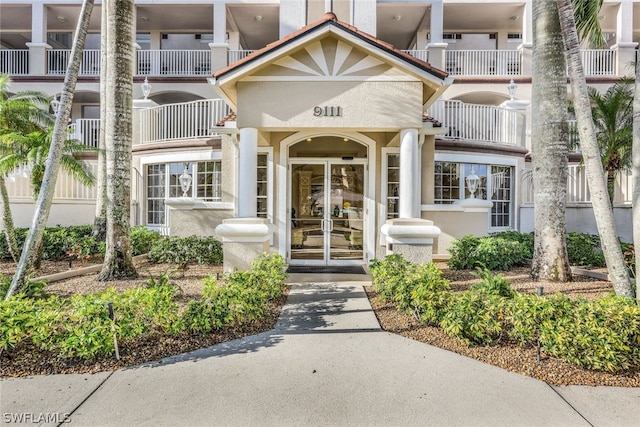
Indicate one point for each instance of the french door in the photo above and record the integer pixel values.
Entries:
(326, 215)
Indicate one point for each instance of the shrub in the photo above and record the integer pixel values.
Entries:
(525, 238)
(475, 317)
(584, 249)
(186, 250)
(142, 239)
(492, 284)
(493, 253)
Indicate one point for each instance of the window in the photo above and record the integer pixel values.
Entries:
(156, 176)
(447, 182)
(514, 36)
(209, 181)
(393, 185)
(263, 182)
(496, 185)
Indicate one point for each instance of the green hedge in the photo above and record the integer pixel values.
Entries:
(79, 326)
(601, 335)
(186, 250)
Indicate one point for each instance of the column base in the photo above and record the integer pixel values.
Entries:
(411, 237)
(243, 240)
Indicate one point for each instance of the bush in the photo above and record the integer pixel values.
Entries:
(525, 238)
(584, 250)
(142, 239)
(186, 250)
(601, 335)
(80, 326)
(493, 253)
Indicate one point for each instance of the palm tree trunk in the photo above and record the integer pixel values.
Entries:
(7, 219)
(100, 220)
(635, 168)
(118, 263)
(611, 185)
(43, 204)
(602, 209)
(549, 146)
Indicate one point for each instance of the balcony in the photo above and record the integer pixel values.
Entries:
(86, 131)
(483, 62)
(484, 123)
(67, 187)
(174, 63)
(58, 60)
(14, 62)
(189, 120)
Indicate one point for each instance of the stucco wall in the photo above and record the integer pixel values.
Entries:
(582, 219)
(369, 105)
(455, 223)
(199, 222)
(63, 214)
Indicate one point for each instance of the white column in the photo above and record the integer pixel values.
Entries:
(409, 165)
(364, 16)
(38, 22)
(219, 22)
(293, 16)
(527, 23)
(625, 46)
(437, 22)
(248, 173)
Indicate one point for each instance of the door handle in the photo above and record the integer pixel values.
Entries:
(322, 227)
(330, 225)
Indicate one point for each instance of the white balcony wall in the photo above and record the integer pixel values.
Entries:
(14, 62)
(578, 188)
(58, 60)
(485, 123)
(174, 63)
(483, 62)
(236, 55)
(599, 62)
(189, 120)
(67, 187)
(87, 132)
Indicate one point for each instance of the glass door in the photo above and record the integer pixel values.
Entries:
(326, 212)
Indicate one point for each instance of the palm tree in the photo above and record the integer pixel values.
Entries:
(118, 263)
(612, 117)
(549, 145)
(43, 204)
(21, 113)
(603, 211)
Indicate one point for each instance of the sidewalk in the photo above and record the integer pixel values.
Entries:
(326, 363)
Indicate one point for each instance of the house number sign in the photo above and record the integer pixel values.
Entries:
(327, 111)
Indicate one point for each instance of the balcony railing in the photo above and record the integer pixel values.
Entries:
(485, 123)
(14, 62)
(67, 187)
(599, 62)
(421, 54)
(174, 63)
(58, 59)
(87, 131)
(237, 55)
(196, 119)
(483, 62)
(578, 187)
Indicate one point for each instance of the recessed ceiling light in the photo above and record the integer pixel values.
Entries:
(514, 17)
(144, 18)
(258, 18)
(397, 17)
(61, 19)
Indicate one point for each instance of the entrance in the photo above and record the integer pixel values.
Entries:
(327, 211)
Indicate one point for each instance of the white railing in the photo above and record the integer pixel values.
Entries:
(188, 120)
(58, 59)
(483, 62)
(578, 187)
(14, 62)
(87, 131)
(421, 54)
(174, 62)
(599, 62)
(67, 187)
(237, 55)
(486, 123)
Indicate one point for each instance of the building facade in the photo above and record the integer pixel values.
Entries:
(331, 138)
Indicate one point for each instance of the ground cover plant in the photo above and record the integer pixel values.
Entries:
(76, 334)
(601, 334)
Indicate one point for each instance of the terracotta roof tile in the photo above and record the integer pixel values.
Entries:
(231, 117)
(330, 18)
(427, 118)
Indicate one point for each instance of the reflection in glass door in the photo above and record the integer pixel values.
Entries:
(326, 212)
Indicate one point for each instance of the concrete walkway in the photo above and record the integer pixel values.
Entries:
(326, 363)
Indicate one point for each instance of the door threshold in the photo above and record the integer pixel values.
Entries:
(326, 269)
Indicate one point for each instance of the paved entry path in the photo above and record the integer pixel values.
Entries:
(326, 363)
